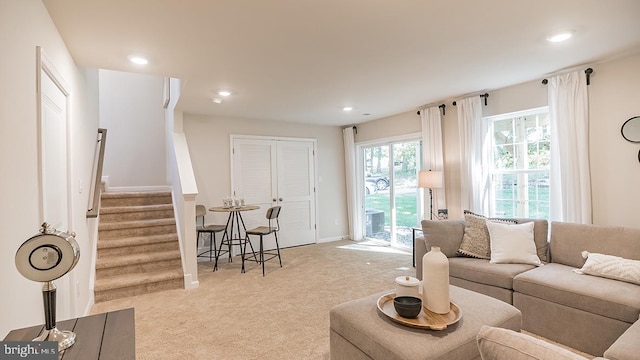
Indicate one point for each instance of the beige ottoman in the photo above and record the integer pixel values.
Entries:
(359, 331)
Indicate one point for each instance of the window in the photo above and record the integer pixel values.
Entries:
(520, 153)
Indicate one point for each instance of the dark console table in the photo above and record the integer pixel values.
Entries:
(107, 336)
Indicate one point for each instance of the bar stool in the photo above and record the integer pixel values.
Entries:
(272, 214)
(210, 229)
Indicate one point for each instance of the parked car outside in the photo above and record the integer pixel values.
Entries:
(380, 182)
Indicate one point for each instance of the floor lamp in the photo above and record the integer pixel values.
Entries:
(428, 179)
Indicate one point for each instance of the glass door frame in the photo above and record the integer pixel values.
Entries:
(360, 181)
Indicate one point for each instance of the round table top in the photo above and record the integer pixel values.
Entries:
(229, 209)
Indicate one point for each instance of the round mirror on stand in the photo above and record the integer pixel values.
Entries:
(631, 131)
(45, 257)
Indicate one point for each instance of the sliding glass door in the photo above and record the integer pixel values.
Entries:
(391, 191)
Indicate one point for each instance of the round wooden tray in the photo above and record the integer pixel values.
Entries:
(425, 320)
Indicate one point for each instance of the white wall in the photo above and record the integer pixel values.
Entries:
(131, 111)
(23, 26)
(615, 170)
(614, 96)
(209, 148)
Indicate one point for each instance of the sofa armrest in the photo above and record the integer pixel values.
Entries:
(627, 347)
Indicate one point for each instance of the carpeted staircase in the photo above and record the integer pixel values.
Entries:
(138, 250)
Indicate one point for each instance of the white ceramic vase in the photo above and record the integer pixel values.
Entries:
(435, 281)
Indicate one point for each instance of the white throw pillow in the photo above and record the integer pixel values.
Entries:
(512, 244)
(611, 267)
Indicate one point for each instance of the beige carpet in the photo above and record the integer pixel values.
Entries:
(284, 315)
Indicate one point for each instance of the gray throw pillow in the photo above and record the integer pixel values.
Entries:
(447, 234)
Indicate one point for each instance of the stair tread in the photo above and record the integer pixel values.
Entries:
(136, 223)
(120, 195)
(121, 281)
(137, 240)
(134, 208)
(123, 260)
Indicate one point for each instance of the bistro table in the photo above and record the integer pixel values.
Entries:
(234, 223)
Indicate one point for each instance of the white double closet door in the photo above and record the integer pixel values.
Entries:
(269, 172)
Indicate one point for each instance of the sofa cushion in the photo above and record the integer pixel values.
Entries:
(502, 344)
(512, 244)
(447, 234)
(627, 346)
(481, 271)
(559, 284)
(568, 241)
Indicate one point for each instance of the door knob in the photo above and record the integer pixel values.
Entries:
(274, 200)
(280, 199)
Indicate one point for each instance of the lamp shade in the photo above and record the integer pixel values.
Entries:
(430, 179)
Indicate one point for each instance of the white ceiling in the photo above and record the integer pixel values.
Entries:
(302, 60)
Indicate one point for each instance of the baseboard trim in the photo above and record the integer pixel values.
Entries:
(90, 303)
(189, 283)
(333, 238)
(121, 189)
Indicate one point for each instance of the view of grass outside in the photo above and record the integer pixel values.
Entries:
(406, 207)
(538, 203)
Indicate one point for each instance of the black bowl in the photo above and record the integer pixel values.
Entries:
(407, 306)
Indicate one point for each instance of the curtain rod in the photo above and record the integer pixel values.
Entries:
(485, 96)
(587, 71)
(441, 106)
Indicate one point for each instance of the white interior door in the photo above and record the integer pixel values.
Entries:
(270, 172)
(296, 191)
(54, 168)
(54, 154)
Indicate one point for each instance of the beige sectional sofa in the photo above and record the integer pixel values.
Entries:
(593, 314)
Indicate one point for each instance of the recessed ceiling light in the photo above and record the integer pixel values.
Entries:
(224, 93)
(347, 108)
(561, 36)
(139, 60)
(217, 100)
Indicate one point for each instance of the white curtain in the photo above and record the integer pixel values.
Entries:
(570, 181)
(474, 151)
(432, 153)
(354, 209)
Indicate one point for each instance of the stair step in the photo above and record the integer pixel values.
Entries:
(136, 245)
(135, 198)
(138, 212)
(137, 284)
(134, 208)
(136, 241)
(135, 224)
(135, 259)
(141, 268)
(161, 227)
